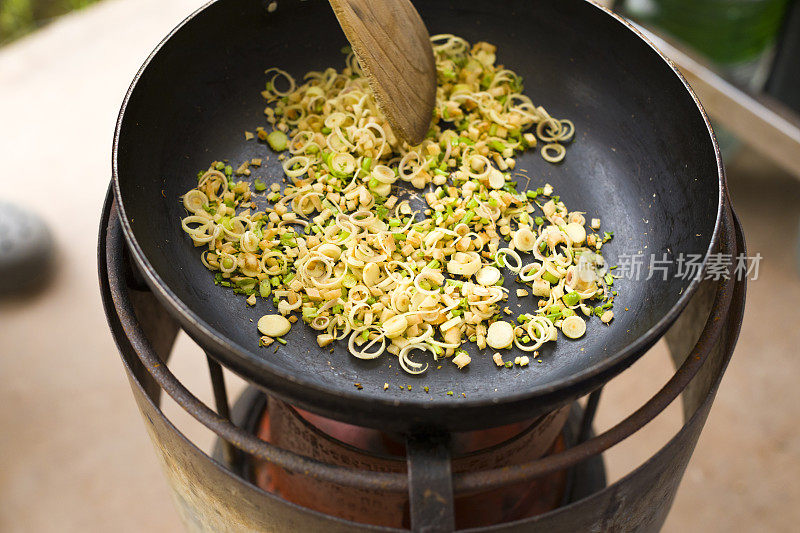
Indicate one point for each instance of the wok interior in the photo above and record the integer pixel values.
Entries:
(642, 161)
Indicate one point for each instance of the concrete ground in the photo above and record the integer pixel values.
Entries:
(74, 456)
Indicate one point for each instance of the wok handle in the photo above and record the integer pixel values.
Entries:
(430, 482)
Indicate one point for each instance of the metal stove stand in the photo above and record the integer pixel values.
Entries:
(213, 494)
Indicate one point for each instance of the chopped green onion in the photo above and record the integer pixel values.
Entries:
(287, 239)
(366, 164)
(552, 317)
(497, 146)
(571, 298)
(264, 288)
(550, 278)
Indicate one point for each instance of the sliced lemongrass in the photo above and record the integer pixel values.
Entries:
(410, 366)
(303, 161)
(488, 275)
(530, 272)
(502, 256)
(464, 264)
(281, 73)
(496, 179)
(553, 152)
(363, 352)
(573, 327)
(500, 335)
(274, 325)
(576, 232)
(524, 239)
(194, 201)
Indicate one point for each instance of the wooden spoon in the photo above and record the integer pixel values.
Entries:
(394, 50)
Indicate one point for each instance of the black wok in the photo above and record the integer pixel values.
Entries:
(644, 160)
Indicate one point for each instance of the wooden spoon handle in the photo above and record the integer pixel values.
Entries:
(394, 50)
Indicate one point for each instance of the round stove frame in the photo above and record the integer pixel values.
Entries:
(211, 497)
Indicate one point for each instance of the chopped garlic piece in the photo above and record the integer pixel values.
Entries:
(462, 359)
(324, 339)
(395, 326)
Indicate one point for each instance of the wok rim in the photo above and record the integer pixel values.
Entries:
(319, 398)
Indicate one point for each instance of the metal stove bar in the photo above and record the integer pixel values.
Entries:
(221, 401)
(588, 415)
(430, 483)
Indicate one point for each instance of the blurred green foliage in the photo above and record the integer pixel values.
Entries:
(18, 17)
